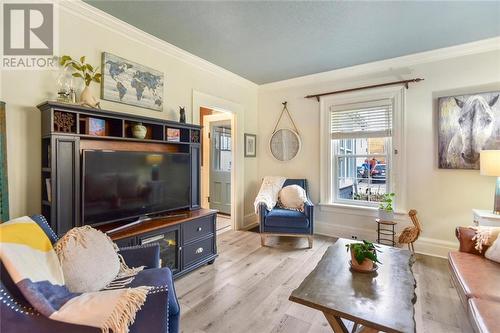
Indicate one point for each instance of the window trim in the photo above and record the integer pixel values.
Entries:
(397, 96)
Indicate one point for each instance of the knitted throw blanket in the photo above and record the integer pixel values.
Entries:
(33, 265)
(485, 236)
(268, 193)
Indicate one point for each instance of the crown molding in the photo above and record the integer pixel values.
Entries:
(388, 65)
(109, 22)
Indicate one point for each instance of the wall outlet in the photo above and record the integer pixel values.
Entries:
(354, 237)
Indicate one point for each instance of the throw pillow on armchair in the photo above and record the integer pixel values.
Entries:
(292, 197)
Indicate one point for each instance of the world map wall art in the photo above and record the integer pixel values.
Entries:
(130, 83)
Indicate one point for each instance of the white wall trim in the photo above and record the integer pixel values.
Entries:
(250, 221)
(424, 245)
(238, 174)
(387, 65)
(103, 19)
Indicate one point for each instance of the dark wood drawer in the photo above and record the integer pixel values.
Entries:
(197, 251)
(198, 228)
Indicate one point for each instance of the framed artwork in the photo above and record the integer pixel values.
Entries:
(4, 184)
(130, 83)
(96, 127)
(173, 134)
(467, 124)
(250, 145)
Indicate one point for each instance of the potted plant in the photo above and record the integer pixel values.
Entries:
(385, 208)
(88, 74)
(363, 256)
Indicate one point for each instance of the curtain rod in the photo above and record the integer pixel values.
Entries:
(404, 82)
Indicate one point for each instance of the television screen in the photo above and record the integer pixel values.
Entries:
(119, 185)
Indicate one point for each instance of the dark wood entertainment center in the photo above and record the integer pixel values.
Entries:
(187, 237)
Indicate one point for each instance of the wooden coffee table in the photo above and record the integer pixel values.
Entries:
(380, 301)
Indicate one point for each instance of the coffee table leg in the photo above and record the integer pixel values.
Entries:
(336, 323)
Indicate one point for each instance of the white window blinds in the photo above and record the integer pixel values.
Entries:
(361, 122)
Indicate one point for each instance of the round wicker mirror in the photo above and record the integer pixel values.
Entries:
(284, 144)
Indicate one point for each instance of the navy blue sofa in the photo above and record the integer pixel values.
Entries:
(160, 313)
(285, 222)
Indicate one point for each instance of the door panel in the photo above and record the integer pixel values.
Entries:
(220, 166)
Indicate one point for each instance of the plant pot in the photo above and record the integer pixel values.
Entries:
(139, 131)
(385, 215)
(366, 265)
(87, 99)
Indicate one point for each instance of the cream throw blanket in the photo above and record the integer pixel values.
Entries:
(33, 265)
(268, 193)
(485, 236)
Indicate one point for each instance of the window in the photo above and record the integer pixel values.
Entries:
(222, 148)
(359, 147)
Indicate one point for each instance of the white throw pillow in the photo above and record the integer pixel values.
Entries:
(292, 197)
(89, 259)
(493, 252)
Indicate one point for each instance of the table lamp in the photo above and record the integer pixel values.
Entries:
(490, 166)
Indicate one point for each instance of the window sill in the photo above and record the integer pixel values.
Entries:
(358, 210)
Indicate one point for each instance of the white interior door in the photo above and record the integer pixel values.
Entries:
(220, 166)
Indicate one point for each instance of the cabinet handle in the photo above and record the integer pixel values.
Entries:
(199, 250)
(199, 229)
(152, 239)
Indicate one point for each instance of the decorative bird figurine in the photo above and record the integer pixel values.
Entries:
(410, 234)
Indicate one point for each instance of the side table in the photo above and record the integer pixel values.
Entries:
(386, 232)
(485, 218)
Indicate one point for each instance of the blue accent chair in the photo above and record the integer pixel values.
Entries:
(160, 312)
(285, 222)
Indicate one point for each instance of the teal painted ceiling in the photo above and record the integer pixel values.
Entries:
(276, 40)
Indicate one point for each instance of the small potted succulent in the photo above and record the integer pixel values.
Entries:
(363, 256)
(385, 207)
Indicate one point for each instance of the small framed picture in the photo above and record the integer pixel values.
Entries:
(250, 145)
(96, 126)
(173, 134)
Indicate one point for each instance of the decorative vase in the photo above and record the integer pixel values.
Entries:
(87, 99)
(139, 131)
(182, 115)
(385, 215)
(366, 265)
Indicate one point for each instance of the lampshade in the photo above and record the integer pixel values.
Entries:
(490, 163)
(154, 159)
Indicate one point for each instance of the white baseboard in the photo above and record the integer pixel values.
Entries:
(424, 245)
(250, 221)
(435, 247)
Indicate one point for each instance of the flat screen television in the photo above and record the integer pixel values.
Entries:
(123, 185)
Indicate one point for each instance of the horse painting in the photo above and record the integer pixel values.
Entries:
(467, 125)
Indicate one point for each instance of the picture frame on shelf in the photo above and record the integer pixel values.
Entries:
(173, 135)
(250, 145)
(96, 127)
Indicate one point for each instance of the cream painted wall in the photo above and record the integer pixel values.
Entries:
(79, 35)
(443, 198)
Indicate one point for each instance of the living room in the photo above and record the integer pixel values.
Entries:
(341, 129)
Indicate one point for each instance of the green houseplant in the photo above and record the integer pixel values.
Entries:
(363, 255)
(385, 207)
(87, 73)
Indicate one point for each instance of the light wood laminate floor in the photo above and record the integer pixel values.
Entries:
(247, 289)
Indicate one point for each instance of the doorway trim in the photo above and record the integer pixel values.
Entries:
(237, 175)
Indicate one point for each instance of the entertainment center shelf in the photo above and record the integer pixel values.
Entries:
(72, 133)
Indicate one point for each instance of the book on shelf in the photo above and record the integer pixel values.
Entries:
(48, 187)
